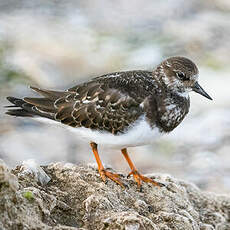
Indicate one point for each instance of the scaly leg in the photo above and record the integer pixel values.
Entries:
(101, 169)
(136, 175)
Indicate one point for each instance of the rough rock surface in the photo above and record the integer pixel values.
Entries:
(75, 198)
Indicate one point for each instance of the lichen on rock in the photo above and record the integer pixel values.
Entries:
(77, 198)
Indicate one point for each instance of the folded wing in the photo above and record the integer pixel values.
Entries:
(91, 105)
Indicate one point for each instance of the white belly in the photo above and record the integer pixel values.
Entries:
(139, 134)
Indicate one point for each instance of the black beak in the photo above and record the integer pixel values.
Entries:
(198, 89)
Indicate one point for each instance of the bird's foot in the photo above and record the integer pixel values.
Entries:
(138, 178)
(113, 176)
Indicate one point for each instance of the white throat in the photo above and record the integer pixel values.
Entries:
(183, 94)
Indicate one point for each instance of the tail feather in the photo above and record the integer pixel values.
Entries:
(17, 102)
(19, 113)
(45, 106)
(53, 95)
(31, 107)
(21, 108)
(40, 102)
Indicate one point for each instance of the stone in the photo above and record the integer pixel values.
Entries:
(77, 198)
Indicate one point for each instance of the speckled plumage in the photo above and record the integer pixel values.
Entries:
(113, 102)
(123, 109)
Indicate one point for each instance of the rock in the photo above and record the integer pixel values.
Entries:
(76, 198)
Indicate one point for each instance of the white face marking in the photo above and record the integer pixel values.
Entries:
(195, 77)
(175, 84)
(184, 94)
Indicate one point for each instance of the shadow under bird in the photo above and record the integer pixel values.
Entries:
(121, 109)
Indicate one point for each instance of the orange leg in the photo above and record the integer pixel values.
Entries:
(101, 169)
(136, 175)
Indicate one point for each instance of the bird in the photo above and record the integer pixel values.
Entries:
(120, 109)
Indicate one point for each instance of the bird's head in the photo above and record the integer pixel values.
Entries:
(180, 75)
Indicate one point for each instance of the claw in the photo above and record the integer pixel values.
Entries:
(138, 178)
(136, 175)
(129, 174)
(114, 177)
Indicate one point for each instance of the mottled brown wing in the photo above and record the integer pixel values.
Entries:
(110, 102)
(97, 106)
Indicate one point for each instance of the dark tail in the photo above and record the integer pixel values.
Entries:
(19, 108)
(32, 107)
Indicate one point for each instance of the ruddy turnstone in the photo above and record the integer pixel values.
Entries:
(120, 109)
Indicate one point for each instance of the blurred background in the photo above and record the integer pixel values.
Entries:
(57, 44)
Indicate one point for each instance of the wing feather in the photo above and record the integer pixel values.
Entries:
(99, 106)
(104, 103)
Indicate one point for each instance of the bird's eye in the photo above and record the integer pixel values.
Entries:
(182, 76)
